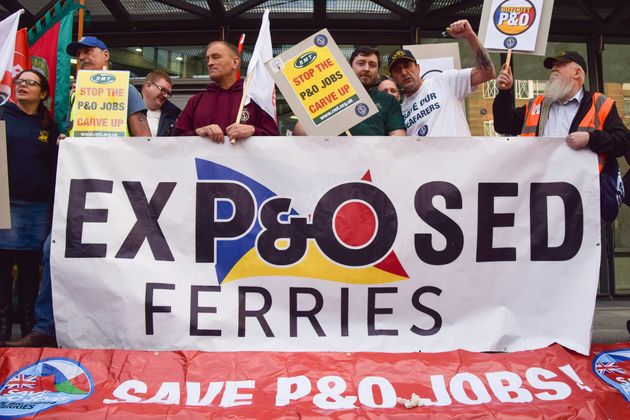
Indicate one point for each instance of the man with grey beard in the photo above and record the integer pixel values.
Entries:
(564, 110)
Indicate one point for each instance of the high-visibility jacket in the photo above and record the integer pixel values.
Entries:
(592, 121)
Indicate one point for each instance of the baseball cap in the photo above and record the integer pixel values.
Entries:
(565, 57)
(399, 55)
(86, 41)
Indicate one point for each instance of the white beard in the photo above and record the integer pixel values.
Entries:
(558, 88)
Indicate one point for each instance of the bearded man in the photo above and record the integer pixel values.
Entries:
(566, 109)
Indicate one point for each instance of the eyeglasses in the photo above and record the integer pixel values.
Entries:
(163, 91)
(28, 82)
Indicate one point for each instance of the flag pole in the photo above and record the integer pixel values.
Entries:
(81, 19)
(242, 105)
(80, 29)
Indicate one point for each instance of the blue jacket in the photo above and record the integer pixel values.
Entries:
(169, 115)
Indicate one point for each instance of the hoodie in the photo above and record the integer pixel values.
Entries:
(219, 106)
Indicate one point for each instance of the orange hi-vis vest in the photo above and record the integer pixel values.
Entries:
(592, 121)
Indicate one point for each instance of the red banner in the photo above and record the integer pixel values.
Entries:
(545, 383)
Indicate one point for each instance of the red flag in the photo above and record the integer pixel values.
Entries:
(8, 31)
(44, 57)
(21, 60)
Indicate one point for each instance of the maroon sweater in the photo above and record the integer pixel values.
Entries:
(219, 106)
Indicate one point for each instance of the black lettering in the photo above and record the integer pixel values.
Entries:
(437, 319)
(294, 313)
(487, 220)
(195, 310)
(387, 225)
(344, 311)
(78, 215)
(149, 308)
(539, 222)
(423, 203)
(209, 228)
(147, 226)
(372, 311)
(295, 230)
(259, 314)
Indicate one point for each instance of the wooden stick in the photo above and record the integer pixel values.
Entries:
(81, 20)
(80, 30)
(508, 58)
(348, 133)
(242, 105)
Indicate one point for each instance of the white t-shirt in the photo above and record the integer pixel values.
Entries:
(437, 108)
(153, 118)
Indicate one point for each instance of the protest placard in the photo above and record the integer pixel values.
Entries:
(101, 101)
(518, 25)
(5, 215)
(320, 86)
(434, 59)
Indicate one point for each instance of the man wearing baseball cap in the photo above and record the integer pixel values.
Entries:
(566, 109)
(92, 54)
(434, 107)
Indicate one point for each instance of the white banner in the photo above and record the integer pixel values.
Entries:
(314, 244)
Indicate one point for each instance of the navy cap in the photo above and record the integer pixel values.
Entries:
(565, 57)
(399, 55)
(86, 41)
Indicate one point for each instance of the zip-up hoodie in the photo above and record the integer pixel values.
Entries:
(219, 106)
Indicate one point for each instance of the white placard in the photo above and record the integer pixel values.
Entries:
(5, 211)
(434, 59)
(519, 25)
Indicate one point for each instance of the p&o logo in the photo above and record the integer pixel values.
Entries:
(613, 367)
(513, 17)
(103, 78)
(43, 385)
(347, 238)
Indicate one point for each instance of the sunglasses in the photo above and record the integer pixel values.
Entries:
(28, 82)
(163, 91)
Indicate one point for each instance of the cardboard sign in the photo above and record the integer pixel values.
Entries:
(101, 103)
(5, 214)
(320, 86)
(518, 25)
(434, 59)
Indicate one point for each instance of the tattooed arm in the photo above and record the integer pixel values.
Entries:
(138, 124)
(484, 70)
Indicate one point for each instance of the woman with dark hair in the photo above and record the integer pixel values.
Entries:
(31, 136)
